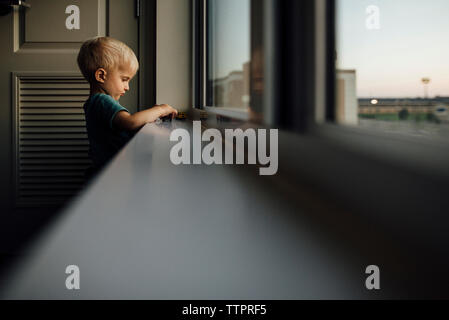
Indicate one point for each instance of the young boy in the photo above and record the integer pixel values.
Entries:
(109, 65)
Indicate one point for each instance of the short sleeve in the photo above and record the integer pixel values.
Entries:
(107, 108)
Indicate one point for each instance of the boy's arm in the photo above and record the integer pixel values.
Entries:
(131, 122)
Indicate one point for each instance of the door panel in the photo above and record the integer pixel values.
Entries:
(48, 20)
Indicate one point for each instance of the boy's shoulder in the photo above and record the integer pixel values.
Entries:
(98, 98)
(102, 108)
(101, 101)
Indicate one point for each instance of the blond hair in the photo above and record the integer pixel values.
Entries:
(107, 53)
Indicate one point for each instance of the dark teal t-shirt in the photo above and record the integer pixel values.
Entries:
(105, 140)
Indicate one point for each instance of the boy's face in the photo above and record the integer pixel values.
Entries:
(116, 82)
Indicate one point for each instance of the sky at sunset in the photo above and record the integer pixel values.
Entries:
(412, 43)
(231, 36)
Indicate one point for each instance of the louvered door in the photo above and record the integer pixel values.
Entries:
(51, 145)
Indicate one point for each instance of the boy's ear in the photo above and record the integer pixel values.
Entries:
(100, 75)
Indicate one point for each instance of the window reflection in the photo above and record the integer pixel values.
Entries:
(228, 54)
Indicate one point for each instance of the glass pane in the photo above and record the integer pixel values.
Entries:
(392, 65)
(228, 65)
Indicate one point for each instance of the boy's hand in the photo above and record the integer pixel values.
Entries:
(125, 121)
(166, 110)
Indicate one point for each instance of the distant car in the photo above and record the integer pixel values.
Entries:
(442, 113)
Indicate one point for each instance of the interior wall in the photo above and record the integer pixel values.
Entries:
(174, 54)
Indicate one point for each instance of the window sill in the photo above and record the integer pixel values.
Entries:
(255, 237)
(233, 113)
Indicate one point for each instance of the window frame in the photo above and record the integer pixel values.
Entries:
(202, 99)
(146, 11)
(198, 54)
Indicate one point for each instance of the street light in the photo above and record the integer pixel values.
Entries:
(425, 82)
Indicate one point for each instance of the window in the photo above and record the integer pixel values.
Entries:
(250, 57)
(229, 58)
(392, 70)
